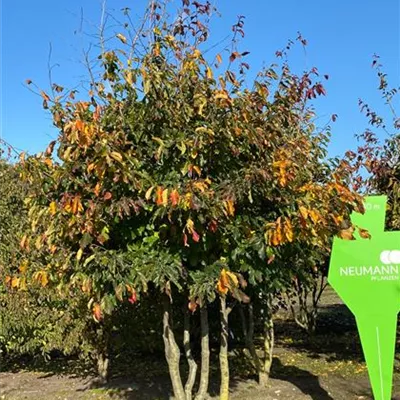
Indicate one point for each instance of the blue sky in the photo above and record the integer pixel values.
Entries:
(342, 35)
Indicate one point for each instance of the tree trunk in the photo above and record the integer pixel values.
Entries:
(172, 352)
(189, 357)
(268, 347)
(205, 353)
(103, 366)
(223, 352)
(248, 332)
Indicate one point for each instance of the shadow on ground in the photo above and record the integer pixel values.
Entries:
(307, 382)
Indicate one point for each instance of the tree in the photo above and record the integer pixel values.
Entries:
(169, 177)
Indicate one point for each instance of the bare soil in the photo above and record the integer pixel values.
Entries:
(328, 366)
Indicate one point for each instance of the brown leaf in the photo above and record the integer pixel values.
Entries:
(364, 233)
(347, 234)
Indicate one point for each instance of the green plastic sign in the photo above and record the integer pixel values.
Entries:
(366, 275)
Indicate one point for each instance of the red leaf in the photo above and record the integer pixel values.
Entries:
(213, 226)
(195, 236)
(133, 298)
(185, 239)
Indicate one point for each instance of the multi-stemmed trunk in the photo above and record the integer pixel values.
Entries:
(172, 354)
(189, 356)
(261, 364)
(172, 351)
(205, 353)
(223, 352)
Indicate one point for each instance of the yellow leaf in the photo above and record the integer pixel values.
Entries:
(190, 225)
(288, 230)
(303, 212)
(86, 285)
(197, 169)
(219, 58)
(148, 193)
(22, 284)
(41, 276)
(233, 278)
(79, 254)
(53, 208)
(209, 73)
(14, 282)
(221, 95)
(129, 77)
(116, 156)
(44, 280)
(39, 242)
(23, 267)
(23, 242)
(229, 207)
(165, 197)
(122, 38)
(197, 53)
(156, 50)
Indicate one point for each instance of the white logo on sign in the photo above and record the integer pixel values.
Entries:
(390, 257)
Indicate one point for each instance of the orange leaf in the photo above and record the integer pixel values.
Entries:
(48, 162)
(97, 189)
(97, 312)
(76, 205)
(159, 195)
(79, 125)
(107, 196)
(174, 197)
(192, 306)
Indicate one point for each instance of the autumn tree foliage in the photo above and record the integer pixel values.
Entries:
(172, 173)
(376, 161)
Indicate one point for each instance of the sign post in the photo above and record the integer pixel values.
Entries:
(366, 275)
